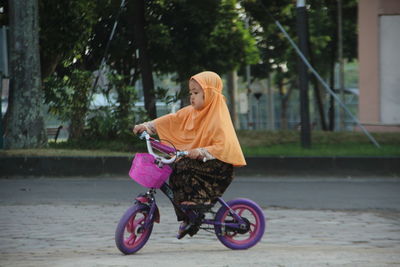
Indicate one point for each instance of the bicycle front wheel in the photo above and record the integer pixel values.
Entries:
(131, 233)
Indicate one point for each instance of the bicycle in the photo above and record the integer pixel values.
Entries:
(238, 223)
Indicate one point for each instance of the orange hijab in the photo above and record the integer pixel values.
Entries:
(210, 128)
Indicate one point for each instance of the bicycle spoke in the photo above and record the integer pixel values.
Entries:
(129, 227)
(131, 239)
(241, 211)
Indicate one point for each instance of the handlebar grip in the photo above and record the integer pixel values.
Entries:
(142, 135)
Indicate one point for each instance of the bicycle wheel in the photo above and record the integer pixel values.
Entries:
(240, 238)
(131, 234)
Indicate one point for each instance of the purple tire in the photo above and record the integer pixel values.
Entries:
(130, 235)
(242, 239)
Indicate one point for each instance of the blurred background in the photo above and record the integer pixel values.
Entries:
(85, 71)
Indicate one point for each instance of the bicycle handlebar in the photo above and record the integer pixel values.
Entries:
(146, 136)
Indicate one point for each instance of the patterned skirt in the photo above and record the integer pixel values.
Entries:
(200, 182)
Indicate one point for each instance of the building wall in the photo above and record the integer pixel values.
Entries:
(389, 66)
(379, 92)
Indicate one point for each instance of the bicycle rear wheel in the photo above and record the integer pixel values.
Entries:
(131, 234)
(251, 213)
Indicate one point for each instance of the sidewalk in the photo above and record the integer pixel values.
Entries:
(83, 235)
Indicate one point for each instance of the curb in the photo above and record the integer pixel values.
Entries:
(256, 166)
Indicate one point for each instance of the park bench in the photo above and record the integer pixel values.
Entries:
(53, 132)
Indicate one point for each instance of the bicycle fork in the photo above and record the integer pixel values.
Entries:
(148, 200)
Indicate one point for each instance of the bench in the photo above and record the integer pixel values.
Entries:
(54, 132)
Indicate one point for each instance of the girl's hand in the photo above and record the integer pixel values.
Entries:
(139, 128)
(194, 154)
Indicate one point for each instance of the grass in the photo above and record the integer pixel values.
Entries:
(254, 143)
(323, 150)
(286, 143)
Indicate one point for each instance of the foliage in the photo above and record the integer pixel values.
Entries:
(279, 58)
(185, 37)
(121, 55)
(275, 48)
(65, 28)
(180, 40)
(230, 43)
(115, 120)
(60, 95)
(189, 43)
(68, 98)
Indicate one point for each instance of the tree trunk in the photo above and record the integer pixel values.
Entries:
(144, 58)
(333, 55)
(331, 113)
(25, 124)
(284, 104)
(79, 111)
(48, 65)
(184, 94)
(317, 92)
(232, 92)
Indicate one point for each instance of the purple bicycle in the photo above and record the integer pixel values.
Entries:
(238, 223)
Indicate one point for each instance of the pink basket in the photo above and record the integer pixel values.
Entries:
(146, 173)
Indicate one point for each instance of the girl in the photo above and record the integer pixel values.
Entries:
(205, 130)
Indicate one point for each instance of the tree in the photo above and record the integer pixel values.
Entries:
(276, 50)
(190, 43)
(145, 61)
(65, 30)
(277, 57)
(25, 125)
(74, 34)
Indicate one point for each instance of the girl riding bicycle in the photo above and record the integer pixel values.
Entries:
(206, 131)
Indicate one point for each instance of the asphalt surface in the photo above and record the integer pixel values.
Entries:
(296, 193)
(310, 222)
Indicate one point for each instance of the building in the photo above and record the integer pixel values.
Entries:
(379, 64)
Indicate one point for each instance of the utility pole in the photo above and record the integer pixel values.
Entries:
(301, 22)
(3, 73)
(1, 112)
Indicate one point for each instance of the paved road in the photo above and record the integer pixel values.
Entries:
(301, 193)
(310, 222)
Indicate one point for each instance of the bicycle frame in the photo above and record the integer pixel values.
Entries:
(149, 199)
(191, 214)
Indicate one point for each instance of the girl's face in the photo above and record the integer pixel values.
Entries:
(196, 95)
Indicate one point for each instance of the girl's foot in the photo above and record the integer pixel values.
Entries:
(184, 228)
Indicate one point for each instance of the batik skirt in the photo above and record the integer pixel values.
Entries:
(200, 182)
